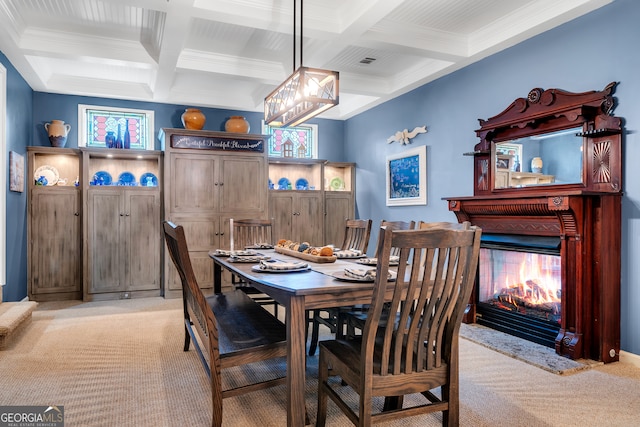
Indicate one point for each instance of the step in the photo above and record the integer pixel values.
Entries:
(14, 318)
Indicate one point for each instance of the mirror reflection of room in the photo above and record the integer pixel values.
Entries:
(553, 158)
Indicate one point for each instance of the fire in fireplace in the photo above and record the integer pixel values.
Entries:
(520, 286)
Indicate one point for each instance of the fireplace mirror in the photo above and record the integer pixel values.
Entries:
(539, 160)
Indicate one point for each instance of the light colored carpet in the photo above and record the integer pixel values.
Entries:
(120, 363)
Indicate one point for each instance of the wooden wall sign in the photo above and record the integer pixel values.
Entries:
(222, 141)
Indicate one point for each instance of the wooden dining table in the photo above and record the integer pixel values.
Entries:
(297, 291)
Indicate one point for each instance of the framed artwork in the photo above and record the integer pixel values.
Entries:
(16, 172)
(504, 161)
(407, 177)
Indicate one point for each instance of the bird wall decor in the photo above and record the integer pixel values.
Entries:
(404, 136)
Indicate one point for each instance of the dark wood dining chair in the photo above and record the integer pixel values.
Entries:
(418, 351)
(252, 232)
(356, 236)
(354, 317)
(231, 329)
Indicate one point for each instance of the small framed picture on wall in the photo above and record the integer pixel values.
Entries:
(16, 172)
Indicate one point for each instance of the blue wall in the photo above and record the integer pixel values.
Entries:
(18, 136)
(585, 54)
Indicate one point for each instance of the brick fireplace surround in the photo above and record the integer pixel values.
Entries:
(586, 216)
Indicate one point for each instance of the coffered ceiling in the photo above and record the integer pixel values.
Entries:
(232, 53)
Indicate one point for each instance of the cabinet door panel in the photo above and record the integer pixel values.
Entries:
(337, 209)
(244, 184)
(310, 219)
(55, 246)
(105, 212)
(143, 237)
(193, 183)
(281, 209)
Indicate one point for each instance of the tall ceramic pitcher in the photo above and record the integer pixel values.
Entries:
(58, 131)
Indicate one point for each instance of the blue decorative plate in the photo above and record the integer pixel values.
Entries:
(284, 183)
(148, 180)
(302, 184)
(126, 178)
(102, 178)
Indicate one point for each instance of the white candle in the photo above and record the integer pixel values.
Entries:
(231, 233)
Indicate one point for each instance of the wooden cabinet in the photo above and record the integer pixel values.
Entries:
(207, 187)
(54, 218)
(122, 225)
(316, 212)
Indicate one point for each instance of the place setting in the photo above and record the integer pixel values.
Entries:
(246, 256)
(393, 261)
(279, 266)
(349, 254)
(352, 274)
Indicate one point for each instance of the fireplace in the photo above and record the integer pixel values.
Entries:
(520, 286)
(549, 268)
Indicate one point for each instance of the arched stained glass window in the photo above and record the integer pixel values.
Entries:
(95, 123)
(304, 140)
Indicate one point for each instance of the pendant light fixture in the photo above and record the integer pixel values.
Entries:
(305, 93)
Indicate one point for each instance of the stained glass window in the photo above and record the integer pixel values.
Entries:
(100, 127)
(295, 141)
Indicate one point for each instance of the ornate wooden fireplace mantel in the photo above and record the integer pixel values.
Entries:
(585, 212)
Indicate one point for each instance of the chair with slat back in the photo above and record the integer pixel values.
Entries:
(354, 317)
(418, 352)
(218, 340)
(356, 236)
(252, 232)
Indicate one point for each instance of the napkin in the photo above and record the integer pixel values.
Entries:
(360, 273)
(364, 273)
(282, 265)
(222, 252)
(349, 253)
(370, 261)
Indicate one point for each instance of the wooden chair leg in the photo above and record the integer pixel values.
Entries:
(315, 332)
(187, 338)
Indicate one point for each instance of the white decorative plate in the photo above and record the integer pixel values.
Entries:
(49, 172)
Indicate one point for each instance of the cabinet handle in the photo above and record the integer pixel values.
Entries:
(221, 184)
(127, 214)
(215, 183)
(222, 234)
(121, 214)
(76, 214)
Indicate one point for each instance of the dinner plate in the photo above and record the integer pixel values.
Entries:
(126, 178)
(283, 183)
(302, 184)
(49, 172)
(148, 180)
(257, 269)
(102, 178)
(336, 183)
(339, 275)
